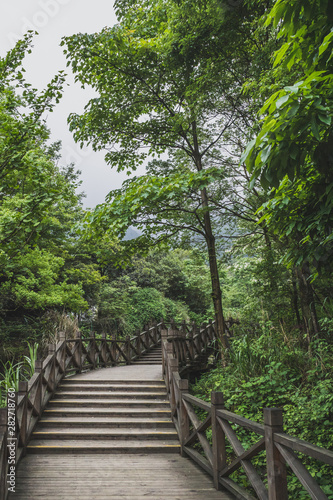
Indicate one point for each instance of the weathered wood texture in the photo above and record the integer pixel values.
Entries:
(107, 477)
(279, 446)
(68, 356)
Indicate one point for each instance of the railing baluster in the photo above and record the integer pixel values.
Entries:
(127, 349)
(62, 351)
(78, 352)
(184, 423)
(38, 401)
(218, 438)
(52, 373)
(173, 367)
(93, 350)
(23, 414)
(276, 465)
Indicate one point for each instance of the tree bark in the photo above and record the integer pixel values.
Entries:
(295, 297)
(215, 279)
(307, 301)
(211, 248)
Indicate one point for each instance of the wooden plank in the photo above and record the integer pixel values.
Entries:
(197, 402)
(242, 421)
(202, 438)
(236, 490)
(308, 449)
(302, 473)
(202, 427)
(247, 455)
(275, 463)
(108, 477)
(249, 469)
(199, 459)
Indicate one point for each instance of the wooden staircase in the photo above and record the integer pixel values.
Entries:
(153, 357)
(95, 416)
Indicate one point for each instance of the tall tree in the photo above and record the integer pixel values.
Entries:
(169, 80)
(293, 152)
(38, 199)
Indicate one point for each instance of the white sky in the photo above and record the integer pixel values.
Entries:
(54, 19)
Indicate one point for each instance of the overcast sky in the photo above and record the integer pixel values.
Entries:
(54, 19)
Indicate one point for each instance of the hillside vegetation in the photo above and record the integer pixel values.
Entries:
(230, 105)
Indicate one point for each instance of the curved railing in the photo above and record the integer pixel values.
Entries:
(279, 447)
(68, 356)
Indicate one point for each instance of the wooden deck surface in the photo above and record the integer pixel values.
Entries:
(113, 477)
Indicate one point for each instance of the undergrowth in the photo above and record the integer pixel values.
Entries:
(268, 370)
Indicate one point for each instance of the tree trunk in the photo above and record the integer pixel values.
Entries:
(307, 301)
(295, 297)
(214, 275)
(210, 241)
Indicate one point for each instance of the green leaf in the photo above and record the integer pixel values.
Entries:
(282, 100)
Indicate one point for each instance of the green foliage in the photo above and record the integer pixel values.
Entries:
(293, 152)
(30, 360)
(159, 286)
(271, 371)
(12, 373)
(10, 377)
(168, 79)
(38, 205)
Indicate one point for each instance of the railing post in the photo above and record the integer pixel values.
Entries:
(93, 350)
(184, 423)
(103, 349)
(138, 342)
(23, 417)
(146, 331)
(62, 361)
(191, 350)
(173, 367)
(113, 349)
(39, 386)
(172, 328)
(276, 466)
(218, 438)
(51, 352)
(78, 352)
(164, 336)
(128, 349)
(3, 453)
(155, 334)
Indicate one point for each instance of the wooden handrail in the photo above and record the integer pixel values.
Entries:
(279, 447)
(67, 357)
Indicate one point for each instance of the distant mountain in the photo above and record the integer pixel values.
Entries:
(131, 234)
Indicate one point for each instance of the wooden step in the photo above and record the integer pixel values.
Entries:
(110, 412)
(93, 446)
(107, 403)
(109, 395)
(111, 387)
(80, 380)
(93, 416)
(101, 434)
(142, 362)
(108, 422)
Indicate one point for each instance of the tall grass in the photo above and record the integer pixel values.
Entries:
(12, 372)
(10, 379)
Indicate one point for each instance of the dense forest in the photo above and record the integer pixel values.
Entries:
(229, 105)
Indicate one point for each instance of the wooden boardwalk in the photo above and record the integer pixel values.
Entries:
(116, 477)
(113, 474)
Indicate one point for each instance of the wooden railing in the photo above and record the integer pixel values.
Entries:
(190, 344)
(279, 447)
(68, 356)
